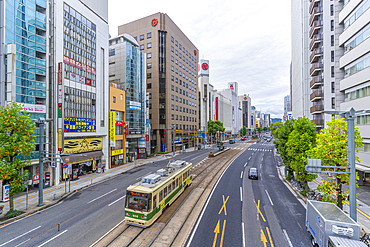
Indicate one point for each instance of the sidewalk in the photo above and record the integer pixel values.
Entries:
(363, 209)
(55, 194)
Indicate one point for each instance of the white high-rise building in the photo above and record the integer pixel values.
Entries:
(354, 40)
(300, 58)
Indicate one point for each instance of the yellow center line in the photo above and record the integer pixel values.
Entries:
(268, 233)
(222, 235)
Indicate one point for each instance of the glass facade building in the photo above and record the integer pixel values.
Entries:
(24, 56)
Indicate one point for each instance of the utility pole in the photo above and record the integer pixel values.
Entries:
(173, 139)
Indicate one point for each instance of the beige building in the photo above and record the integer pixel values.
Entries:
(171, 77)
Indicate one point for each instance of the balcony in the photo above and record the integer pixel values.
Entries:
(317, 11)
(316, 68)
(315, 54)
(318, 122)
(316, 82)
(316, 109)
(315, 95)
(315, 41)
(313, 4)
(316, 26)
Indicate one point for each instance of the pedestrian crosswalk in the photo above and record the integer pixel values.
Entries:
(260, 149)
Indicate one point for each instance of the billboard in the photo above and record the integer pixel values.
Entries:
(204, 67)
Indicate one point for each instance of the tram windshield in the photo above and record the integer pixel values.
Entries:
(138, 201)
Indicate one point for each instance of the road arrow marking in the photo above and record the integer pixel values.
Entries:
(222, 235)
(216, 231)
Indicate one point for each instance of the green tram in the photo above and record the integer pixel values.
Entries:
(147, 199)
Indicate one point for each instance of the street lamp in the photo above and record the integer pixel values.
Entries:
(350, 115)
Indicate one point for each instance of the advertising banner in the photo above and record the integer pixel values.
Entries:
(117, 152)
(6, 193)
(134, 105)
(112, 128)
(201, 134)
(74, 146)
(216, 108)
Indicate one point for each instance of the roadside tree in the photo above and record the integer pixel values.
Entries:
(275, 128)
(16, 141)
(332, 149)
(300, 141)
(243, 131)
(215, 126)
(284, 133)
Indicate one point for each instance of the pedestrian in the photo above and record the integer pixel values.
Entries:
(102, 168)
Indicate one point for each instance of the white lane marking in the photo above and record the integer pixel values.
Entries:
(116, 201)
(20, 236)
(246, 163)
(243, 234)
(241, 194)
(97, 241)
(194, 158)
(53, 238)
(287, 238)
(241, 175)
(206, 204)
(260, 165)
(269, 198)
(101, 196)
(249, 158)
(262, 159)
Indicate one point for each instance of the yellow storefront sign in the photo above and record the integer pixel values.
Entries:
(113, 126)
(117, 152)
(74, 146)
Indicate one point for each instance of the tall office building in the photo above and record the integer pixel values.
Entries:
(245, 104)
(24, 62)
(300, 58)
(127, 71)
(354, 19)
(204, 95)
(324, 33)
(79, 84)
(171, 79)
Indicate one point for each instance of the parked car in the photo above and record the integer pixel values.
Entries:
(253, 173)
(232, 141)
(242, 139)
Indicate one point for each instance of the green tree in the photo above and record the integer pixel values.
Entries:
(16, 140)
(275, 128)
(243, 131)
(259, 129)
(284, 133)
(332, 149)
(300, 142)
(215, 126)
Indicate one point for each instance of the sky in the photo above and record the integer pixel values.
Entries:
(245, 41)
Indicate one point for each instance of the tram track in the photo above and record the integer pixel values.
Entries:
(175, 219)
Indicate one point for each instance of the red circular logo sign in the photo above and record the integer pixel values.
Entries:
(245, 98)
(154, 22)
(204, 66)
(195, 52)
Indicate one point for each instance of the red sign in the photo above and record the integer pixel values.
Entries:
(231, 86)
(88, 81)
(204, 66)
(195, 52)
(154, 22)
(36, 178)
(245, 98)
(119, 122)
(126, 128)
(147, 138)
(60, 73)
(66, 59)
(216, 108)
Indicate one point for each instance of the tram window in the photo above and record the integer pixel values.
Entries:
(180, 180)
(160, 196)
(177, 182)
(173, 185)
(154, 201)
(169, 189)
(137, 203)
(165, 192)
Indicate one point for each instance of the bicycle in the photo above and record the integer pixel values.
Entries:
(366, 239)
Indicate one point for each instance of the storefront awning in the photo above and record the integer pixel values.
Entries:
(363, 168)
(82, 156)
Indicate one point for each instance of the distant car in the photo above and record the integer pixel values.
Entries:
(253, 173)
(242, 139)
(232, 141)
(269, 139)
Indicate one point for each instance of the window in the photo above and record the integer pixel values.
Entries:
(148, 35)
(149, 75)
(176, 62)
(177, 98)
(177, 90)
(333, 87)
(149, 45)
(121, 96)
(141, 47)
(177, 108)
(172, 108)
(177, 118)
(332, 40)
(331, 9)
(333, 103)
(177, 80)
(332, 71)
(172, 39)
(172, 68)
(149, 55)
(176, 52)
(172, 77)
(172, 97)
(148, 86)
(172, 49)
(149, 66)
(172, 116)
(176, 43)
(180, 46)
(114, 99)
(142, 37)
(172, 87)
(332, 56)
(332, 25)
(112, 52)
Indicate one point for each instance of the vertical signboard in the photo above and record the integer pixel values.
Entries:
(112, 128)
(60, 106)
(216, 108)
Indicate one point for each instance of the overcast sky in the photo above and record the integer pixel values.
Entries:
(246, 41)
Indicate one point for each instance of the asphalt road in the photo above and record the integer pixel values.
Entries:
(84, 217)
(244, 212)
